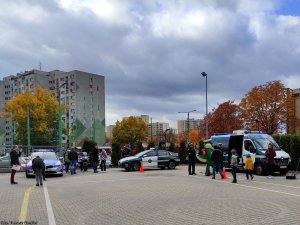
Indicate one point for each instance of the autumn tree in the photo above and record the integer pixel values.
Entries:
(130, 131)
(223, 119)
(43, 111)
(264, 107)
(194, 137)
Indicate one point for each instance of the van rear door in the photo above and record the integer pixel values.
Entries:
(236, 142)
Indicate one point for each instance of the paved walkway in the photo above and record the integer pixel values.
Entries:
(153, 197)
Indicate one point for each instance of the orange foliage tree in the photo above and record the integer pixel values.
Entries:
(223, 119)
(130, 131)
(43, 111)
(194, 137)
(265, 107)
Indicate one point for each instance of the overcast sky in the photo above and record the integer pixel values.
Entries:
(152, 52)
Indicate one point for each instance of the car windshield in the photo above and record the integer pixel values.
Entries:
(140, 154)
(44, 155)
(262, 143)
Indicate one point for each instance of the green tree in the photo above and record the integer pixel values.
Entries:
(116, 153)
(172, 147)
(151, 145)
(130, 131)
(182, 152)
(88, 146)
(43, 111)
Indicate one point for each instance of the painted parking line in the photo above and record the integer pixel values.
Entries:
(280, 185)
(50, 213)
(102, 180)
(247, 186)
(23, 213)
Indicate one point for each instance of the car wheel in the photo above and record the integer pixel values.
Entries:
(136, 166)
(259, 169)
(172, 165)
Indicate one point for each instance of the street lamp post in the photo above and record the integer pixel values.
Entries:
(206, 114)
(188, 125)
(60, 121)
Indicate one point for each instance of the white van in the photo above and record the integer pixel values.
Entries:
(255, 143)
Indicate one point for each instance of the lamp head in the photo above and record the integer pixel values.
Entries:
(204, 74)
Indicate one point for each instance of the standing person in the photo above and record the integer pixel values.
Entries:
(14, 161)
(208, 152)
(192, 159)
(67, 160)
(233, 164)
(217, 159)
(38, 167)
(249, 166)
(95, 158)
(73, 157)
(270, 155)
(103, 156)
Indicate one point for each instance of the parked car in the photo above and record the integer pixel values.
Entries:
(52, 162)
(5, 163)
(152, 158)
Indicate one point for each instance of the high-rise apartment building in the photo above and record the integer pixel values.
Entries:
(182, 125)
(109, 134)
(144, 118)
(83, 93)
(158, 128)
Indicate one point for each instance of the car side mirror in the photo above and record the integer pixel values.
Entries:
(144, 156)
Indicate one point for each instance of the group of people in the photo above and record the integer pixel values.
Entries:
(71, 158)
(38, 166)
(214, 159)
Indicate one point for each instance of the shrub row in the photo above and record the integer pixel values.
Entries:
(290, 144)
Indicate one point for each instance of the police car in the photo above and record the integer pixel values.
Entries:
(52, 163)
(152, 158)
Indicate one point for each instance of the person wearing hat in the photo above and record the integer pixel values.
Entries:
(233, 164)
(249, 166)
(192, 159)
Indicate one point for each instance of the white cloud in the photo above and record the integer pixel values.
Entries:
(111, 11)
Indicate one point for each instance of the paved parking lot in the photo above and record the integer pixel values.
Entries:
(152, 197)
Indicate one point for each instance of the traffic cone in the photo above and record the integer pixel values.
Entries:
(141, 169)
(224, 173)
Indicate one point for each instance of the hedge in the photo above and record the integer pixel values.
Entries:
(290, 144)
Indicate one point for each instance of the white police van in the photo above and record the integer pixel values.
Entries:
(255, 143)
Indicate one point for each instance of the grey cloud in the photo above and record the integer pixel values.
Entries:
(151, 74)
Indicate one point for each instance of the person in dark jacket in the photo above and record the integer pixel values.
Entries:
(38, 167)
(217, 160)
(234, 164)
(14, 161)
(270, 155)
(95, 159)
(73, 157)
(192, 159)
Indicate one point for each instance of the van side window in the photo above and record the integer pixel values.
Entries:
(248, 144)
